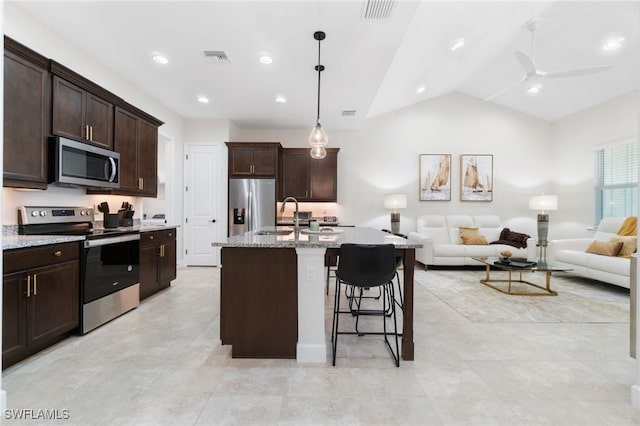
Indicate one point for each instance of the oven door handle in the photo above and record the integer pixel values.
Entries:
(110, 240)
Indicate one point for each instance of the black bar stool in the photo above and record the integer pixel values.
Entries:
(365, 266)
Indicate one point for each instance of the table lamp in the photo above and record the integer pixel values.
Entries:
(395, 202)
(543, 203)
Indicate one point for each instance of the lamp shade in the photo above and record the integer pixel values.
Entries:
(395, 201)
(543, 202)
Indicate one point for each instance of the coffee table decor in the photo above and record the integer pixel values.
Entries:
(516, 285)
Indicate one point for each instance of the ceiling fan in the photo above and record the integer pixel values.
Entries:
(533, 75)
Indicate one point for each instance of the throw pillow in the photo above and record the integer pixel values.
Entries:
(629, 226)
(474, 240)
(629, 245)
(604, 248)
(466, 231)
(515, 239)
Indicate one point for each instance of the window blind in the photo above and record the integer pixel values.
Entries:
(616, 189)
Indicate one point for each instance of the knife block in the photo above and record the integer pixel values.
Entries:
(125, 218)
(111, 220)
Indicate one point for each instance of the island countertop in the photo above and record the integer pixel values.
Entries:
(273, 290)
(354, 235)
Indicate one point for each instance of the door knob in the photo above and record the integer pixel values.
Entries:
(213, 220)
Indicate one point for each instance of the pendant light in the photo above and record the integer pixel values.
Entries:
(318, 138)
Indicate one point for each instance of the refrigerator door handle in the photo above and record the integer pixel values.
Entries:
(249, 212)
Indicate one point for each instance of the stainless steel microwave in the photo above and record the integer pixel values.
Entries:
(78, 164)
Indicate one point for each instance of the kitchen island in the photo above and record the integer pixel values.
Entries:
(272, 299)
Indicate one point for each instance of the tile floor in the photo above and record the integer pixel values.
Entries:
(162, 364)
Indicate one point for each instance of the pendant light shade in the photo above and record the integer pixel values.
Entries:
(318, 152)
(318, 138)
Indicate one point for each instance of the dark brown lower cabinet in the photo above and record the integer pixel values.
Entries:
(259, 302)
(40, 298)
(157, 261)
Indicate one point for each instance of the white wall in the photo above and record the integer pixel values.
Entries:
(573, 140)
(382, 157)
(531, 156)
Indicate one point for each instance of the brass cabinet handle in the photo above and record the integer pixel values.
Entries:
(90, 133)
(28, 285)
(35, 284)
(171, 234)
(151, 237)
(140, 183)
(86, 133)
(57, 253)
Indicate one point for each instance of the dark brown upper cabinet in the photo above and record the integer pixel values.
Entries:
(307, 179)
(136, 139)
(79, 114)
(27, 106)
(247, 160)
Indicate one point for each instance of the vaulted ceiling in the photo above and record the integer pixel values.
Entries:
(373, 64)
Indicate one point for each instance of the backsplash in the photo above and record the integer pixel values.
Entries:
(58, 196)
(318, 209)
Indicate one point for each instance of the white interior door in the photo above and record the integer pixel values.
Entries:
(202, 210)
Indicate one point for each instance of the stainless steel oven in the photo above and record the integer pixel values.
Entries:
(109, 278)
(109, 260)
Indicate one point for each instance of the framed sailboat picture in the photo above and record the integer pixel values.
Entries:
(476, 177)
(435, 177)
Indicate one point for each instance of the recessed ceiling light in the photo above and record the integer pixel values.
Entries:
(281, 99)
(203, 99)
(420, 89)
(613, 44)
(457, 44)
(160, 59)
(534, 89)
(264, 59)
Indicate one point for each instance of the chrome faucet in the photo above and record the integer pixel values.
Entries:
(296, 220)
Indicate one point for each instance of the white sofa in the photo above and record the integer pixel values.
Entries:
(572, 254)
(441, 242)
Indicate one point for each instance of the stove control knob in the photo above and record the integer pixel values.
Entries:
(35, 213)
(43, 213)
(83, 212)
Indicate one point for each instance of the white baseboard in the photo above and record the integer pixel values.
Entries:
(311, 353)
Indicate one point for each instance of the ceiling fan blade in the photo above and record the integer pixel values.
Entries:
(526, 62)
(504, 90)
(575, 72)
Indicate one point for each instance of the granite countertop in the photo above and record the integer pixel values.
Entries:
(356, 235)
(11, 240)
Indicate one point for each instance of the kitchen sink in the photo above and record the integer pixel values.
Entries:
(273, 232)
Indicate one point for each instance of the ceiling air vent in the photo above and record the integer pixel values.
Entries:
(216, 56)
(377, 9)
(348, 112)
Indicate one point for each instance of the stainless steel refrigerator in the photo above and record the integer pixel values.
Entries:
(252, 204)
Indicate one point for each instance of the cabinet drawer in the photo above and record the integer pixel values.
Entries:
(154, 237)
(28, 258)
